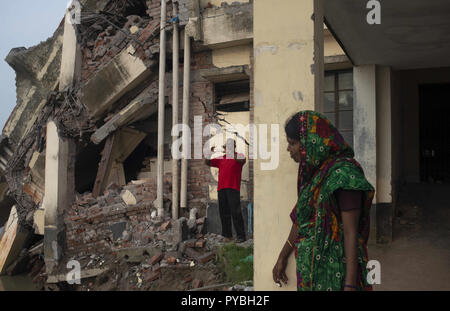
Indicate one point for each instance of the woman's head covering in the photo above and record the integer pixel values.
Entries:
(320, 141)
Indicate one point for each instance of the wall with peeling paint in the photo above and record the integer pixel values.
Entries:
(234, 118)
(284, 85)
(232, 56)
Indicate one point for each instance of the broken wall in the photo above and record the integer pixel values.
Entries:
(37, 73)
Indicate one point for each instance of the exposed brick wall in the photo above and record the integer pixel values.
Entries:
(199, 175)
(99, 51)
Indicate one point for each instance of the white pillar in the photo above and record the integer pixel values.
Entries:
(384, 134)
(161, 110)
(175, 83)
(56, 193)
(385, 209)
(186, 98)
(365, 128)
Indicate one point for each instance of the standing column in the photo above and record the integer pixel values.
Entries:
(175, 83)
(385, 210)
(186, 97)
(287, 55)
(365, 128)
(56, 195)
(161, 110)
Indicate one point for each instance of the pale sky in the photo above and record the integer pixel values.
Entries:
(23, 23)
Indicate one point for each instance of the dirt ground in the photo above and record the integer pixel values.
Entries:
(419, 256)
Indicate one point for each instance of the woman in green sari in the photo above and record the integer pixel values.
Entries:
(331, 218)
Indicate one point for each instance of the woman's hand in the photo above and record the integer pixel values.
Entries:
(279, 271)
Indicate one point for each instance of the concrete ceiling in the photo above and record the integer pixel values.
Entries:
(412, 34)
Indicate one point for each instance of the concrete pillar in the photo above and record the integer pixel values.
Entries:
(12, 240)
(365, 128)
(186, 99)
(285, 83)
(57, 194)
(175, 113)
(385, 211)
(71, 55)
(161, 111)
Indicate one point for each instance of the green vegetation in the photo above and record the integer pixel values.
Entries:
(236, 262)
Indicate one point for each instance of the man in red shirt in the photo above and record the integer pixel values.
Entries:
(229, 190)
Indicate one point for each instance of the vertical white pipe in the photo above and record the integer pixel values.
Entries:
(161, 107)
(175, 82)
(186, 97)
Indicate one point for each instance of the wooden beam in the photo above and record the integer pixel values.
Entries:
(103, 166)
(117, 149)
(134, 111)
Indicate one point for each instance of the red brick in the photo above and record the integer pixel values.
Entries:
(200, 244)
(153, 276)
(156, 259)
(171, 260)
(207, 257)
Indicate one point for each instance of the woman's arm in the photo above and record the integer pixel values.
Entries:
(350, 220)
(350, 206)
(279, 271)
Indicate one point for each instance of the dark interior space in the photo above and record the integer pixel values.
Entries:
(5, 209)
(232, 96)
(127, 7)
(86, 167)
(435, 133)
(133, 164)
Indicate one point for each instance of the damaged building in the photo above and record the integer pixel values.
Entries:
(86, 160)
(86, 165)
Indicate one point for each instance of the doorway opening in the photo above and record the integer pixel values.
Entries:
(434, 131)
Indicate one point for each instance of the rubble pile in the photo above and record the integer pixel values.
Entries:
(160, 265)
(118, 218)
(145, 253)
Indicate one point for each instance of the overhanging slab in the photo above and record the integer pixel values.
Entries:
(412, 34)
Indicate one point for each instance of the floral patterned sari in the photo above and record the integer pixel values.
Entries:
(326, 165)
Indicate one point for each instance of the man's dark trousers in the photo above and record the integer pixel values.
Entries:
(230, 208)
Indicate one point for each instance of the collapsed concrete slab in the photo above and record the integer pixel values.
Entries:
(37, 73)
(121, 75)
(234, 21)
(12, 241)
